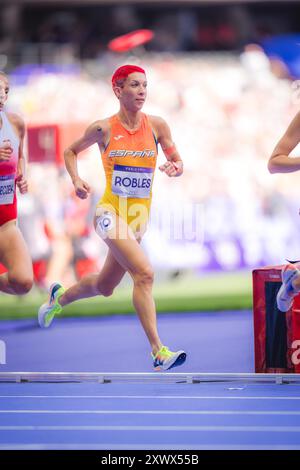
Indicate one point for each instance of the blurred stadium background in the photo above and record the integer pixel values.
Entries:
(224, 75)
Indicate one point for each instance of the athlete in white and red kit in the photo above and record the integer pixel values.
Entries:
(14, 254)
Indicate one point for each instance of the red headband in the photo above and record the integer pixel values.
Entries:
(124, 71)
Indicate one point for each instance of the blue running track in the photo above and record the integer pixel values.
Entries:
(154, 415)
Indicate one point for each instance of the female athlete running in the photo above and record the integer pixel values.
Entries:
(128, 145)
(14, 254)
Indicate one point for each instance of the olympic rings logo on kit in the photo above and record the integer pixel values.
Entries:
(105, 222)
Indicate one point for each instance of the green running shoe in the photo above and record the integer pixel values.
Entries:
(51, 308)
(165, 359)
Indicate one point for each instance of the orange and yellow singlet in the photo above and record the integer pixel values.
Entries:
(129, 162)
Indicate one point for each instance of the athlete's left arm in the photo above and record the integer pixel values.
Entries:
(19, 125)
(174, 164)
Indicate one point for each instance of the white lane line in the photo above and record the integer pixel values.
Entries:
(156, 412)
(281, 429)
(160, 397)
(114, 446)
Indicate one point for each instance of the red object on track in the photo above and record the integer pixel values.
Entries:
(131, 40)
(276, 334)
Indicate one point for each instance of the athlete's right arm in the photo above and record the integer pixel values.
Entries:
(94, 134)
(280, 161)
(5, 153)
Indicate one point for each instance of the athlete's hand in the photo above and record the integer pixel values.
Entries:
(5, 152)
(171, 168)
(22, 184)
(82, 189)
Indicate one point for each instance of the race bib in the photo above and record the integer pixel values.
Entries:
(132, 181)
(7, 189)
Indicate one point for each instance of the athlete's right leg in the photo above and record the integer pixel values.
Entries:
(89, 286)
(96, 284)
(14, 255)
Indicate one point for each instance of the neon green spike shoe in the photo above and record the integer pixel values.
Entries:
(165, 359)
(51, 308)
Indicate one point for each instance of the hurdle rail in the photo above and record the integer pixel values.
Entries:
(154, 377)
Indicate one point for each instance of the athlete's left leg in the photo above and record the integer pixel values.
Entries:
(14, 255)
